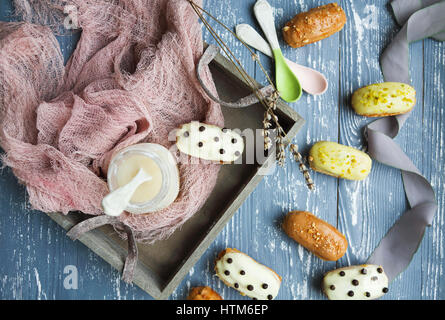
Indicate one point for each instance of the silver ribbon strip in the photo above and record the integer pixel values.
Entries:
(397, 248)
(404, 8)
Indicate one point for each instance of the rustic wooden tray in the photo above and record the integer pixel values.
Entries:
(163, 265)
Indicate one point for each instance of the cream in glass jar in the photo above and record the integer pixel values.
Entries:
(142, 178)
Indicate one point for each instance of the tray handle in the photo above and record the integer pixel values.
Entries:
(209, 54)
(98, 221)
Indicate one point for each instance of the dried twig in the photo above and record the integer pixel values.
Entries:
(298, 158)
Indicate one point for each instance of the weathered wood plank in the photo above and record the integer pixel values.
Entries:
(202, 273)
(301, 270)
(431, 261)
(367, 209)
(256, 229)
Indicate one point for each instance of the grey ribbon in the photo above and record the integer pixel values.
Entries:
(98, 221)
(422, 19)
(424, 23)
(403, 9)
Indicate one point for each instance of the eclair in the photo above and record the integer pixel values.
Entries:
(316, 235)
(312, 26)
(209, 142)
(249, 277)
(362, 282)
(384, 99)
(340, 161)
(203, 293)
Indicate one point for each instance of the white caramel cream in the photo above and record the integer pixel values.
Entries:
(157, 162)
(128, 170)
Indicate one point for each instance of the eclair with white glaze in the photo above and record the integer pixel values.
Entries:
(250, 278)
(362, 282)
(209, 142)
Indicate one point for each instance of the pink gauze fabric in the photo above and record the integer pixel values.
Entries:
(131, 79)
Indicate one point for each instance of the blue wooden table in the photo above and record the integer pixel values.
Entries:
(35, 252)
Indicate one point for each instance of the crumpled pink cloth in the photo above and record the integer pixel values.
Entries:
(131, 79)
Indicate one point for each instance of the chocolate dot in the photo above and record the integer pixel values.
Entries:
(222, 151)
(264, 286)
(269, 297)
(355, 282)
(229, 260)
(186, 134)
(364, 271)
(332, 287)
(200, 144)
(202, 128)
(237, 153)
(351, 293)
(367, 294)
(234, 140)
(227, 272)
(242, 272)
(250, 287)
(236, 285)
(342, 273)
(224, 130)
(379, 270)
(385, 290)
(374, 278)
(255, 298)
(216, 139)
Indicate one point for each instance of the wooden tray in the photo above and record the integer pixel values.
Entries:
(163, 265)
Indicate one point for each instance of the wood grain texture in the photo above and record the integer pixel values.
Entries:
(35, 251)
(368, 209)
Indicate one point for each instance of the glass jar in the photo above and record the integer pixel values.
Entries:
(159, 163)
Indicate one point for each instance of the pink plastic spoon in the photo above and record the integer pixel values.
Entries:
(312, 81)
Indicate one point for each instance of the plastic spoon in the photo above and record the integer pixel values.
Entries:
(115, 202)
(286, 81)
(312, 81)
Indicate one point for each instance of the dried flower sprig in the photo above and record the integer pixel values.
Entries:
(269, 102)
(298, 158)
(266, 132)
(281, 151)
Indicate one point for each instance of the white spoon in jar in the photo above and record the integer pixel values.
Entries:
(312, 81)
(115, 202)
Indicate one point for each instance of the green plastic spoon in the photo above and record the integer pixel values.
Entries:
(286, 81)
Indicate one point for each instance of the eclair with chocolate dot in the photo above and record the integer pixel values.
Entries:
(250, 278)
(362, 282)
(209, 142)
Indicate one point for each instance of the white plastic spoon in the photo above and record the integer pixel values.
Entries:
(312, 81)
(115, 202)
